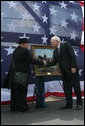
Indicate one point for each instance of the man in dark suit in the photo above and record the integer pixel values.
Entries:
(65, 56)
(22, 61)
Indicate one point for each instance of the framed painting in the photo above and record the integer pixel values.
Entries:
(41, 52)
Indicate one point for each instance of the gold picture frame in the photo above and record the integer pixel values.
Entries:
(40, 52)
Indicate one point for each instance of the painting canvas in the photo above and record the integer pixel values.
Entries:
(44, 53)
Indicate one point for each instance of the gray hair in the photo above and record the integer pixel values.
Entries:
(56, 38)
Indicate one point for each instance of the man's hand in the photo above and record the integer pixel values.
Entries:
(73, 70)
(45, 63)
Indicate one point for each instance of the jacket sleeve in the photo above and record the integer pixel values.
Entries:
(8, 81)
(30, 60)
(72, 55)
(54, 60)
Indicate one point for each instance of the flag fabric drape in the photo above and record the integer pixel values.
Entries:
(39, 21)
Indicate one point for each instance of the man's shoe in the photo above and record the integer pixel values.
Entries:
(41, 106)
(29, 110)
(37, 106)
(25, 110)
(13, 110)
(78, 107)
(65, 108)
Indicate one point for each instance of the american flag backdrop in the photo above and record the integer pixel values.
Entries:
(39, 21)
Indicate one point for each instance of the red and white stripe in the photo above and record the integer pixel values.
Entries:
(82, 40)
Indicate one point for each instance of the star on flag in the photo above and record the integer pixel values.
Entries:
(52, 30)
(44, 39)
(73, 35)
(71, 2)
(36, 7)
(9, 50)
(1, 60)
(12, 26)
(44, 18)
(44, 2)
(80, 72)
(73, 16)
(12, 4)
(63, 5)
(53, 11)
(76, 52)
(36, 28)
(1, 37)
(63, 23)
(25, 16)
(6, 72)
(62, 40)
(24, 36)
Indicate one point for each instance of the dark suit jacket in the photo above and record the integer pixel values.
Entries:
(66, 59)
(22, 61)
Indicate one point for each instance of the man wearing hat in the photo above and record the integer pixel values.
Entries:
(22, 61)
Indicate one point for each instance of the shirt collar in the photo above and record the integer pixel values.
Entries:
(59, 45)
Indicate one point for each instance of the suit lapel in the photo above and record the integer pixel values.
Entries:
(61, 48)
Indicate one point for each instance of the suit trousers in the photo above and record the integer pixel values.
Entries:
(68, 85)
(18, 97)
